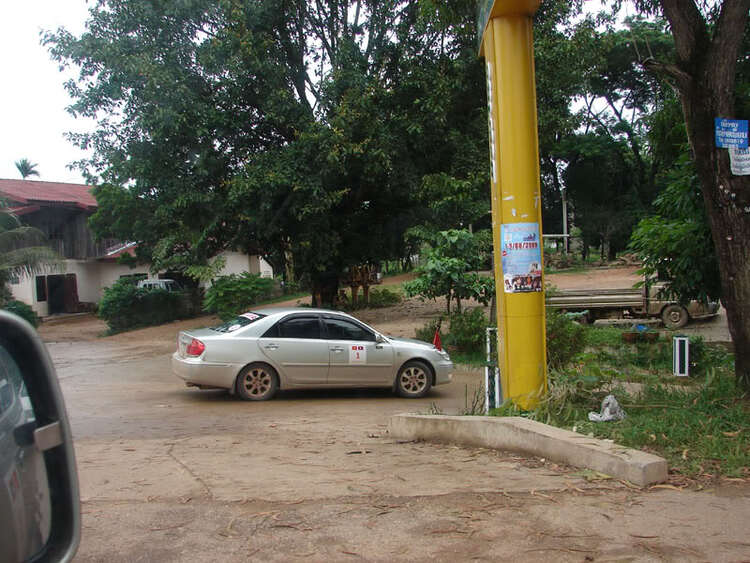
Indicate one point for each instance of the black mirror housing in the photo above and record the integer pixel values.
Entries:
(49, 433)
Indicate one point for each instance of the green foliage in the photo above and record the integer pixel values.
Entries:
(467, 333)
(566, 339)
(22, 310)
(215, 129)
(231, 295)
(26, 168)
(601, 184)
(384, 297)
(22, 251)
(427, 332)
(446, 271)
(701, 429)
(379, 298)
(649, 361)
(124, 306)
(675, 244)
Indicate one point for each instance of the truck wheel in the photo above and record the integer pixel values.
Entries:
(674, 316)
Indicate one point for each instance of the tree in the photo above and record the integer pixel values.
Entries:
(22, 251)
(608, 164)
(601, 183)
(26, 168)
(300, 130)
(710, 71)
(447, 270)
(674, 244)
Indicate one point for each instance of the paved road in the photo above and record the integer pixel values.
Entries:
(171, 474)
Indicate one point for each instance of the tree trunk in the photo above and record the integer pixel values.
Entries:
(288, 263)
(727, 200)
(611, 252)
(704, 75)
(325, 288)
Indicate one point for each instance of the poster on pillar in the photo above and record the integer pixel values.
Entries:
(521, 257)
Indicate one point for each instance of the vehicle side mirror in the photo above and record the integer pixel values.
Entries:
(379, 339)
(39, 502)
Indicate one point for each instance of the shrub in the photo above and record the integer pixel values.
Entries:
(705, 356)
(468, 331)
(22, 310)
(427, 332)
(124, 306)
(566, 339)
(378, 298)
(234, 294)
(384, 297)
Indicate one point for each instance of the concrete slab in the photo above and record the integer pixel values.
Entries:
(525, 436)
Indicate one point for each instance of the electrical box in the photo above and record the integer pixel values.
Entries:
(681, 356)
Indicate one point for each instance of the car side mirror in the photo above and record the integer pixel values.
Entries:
(39, 502)
(380, 339)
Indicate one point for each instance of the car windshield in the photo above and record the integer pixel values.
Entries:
(238, 322)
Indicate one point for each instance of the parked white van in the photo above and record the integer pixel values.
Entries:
(167, 285)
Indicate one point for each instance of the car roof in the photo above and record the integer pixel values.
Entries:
(286, 310)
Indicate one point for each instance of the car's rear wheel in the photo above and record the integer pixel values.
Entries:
(257, 382)
(414, 380)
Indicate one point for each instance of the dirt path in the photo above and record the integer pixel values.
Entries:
(172, 474)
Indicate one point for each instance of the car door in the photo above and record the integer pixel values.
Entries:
(296, 346)
(355, 357)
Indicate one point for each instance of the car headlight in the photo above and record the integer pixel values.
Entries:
(444, 355)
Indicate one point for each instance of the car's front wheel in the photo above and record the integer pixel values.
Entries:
(414, 380)
(257, 382)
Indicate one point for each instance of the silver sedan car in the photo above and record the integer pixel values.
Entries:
(257, 353)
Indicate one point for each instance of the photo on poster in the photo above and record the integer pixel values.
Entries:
(521, 257)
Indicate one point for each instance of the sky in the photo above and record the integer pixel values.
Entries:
(32, 98)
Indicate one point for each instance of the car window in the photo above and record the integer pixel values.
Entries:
(342, 329)
(297, 327)
(238, 322)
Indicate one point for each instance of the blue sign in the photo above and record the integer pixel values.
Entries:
(731, 133)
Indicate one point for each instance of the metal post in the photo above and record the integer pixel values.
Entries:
(507, 46)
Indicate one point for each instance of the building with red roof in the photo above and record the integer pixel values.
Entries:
(61, 211)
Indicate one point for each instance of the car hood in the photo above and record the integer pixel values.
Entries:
(411, 342)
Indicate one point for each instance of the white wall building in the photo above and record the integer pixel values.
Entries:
(61, 211)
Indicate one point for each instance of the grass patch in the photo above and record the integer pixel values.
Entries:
(700, 424)
(473, 359)
(702, 431)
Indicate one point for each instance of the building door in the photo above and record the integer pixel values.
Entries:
(70, 298)
(56, 294)
(62, 294)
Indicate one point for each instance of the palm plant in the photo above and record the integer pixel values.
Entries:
(26, 168)
(22, 251)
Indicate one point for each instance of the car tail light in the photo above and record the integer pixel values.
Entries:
(195, 348)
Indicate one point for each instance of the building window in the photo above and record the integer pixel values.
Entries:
(41, 288)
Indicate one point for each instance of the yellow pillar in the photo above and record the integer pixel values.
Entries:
(507, 45)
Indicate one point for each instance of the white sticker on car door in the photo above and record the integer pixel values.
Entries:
(357, 354)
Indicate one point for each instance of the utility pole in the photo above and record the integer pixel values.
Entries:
(505, 29)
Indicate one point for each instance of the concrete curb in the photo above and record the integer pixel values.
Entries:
(525, 436)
